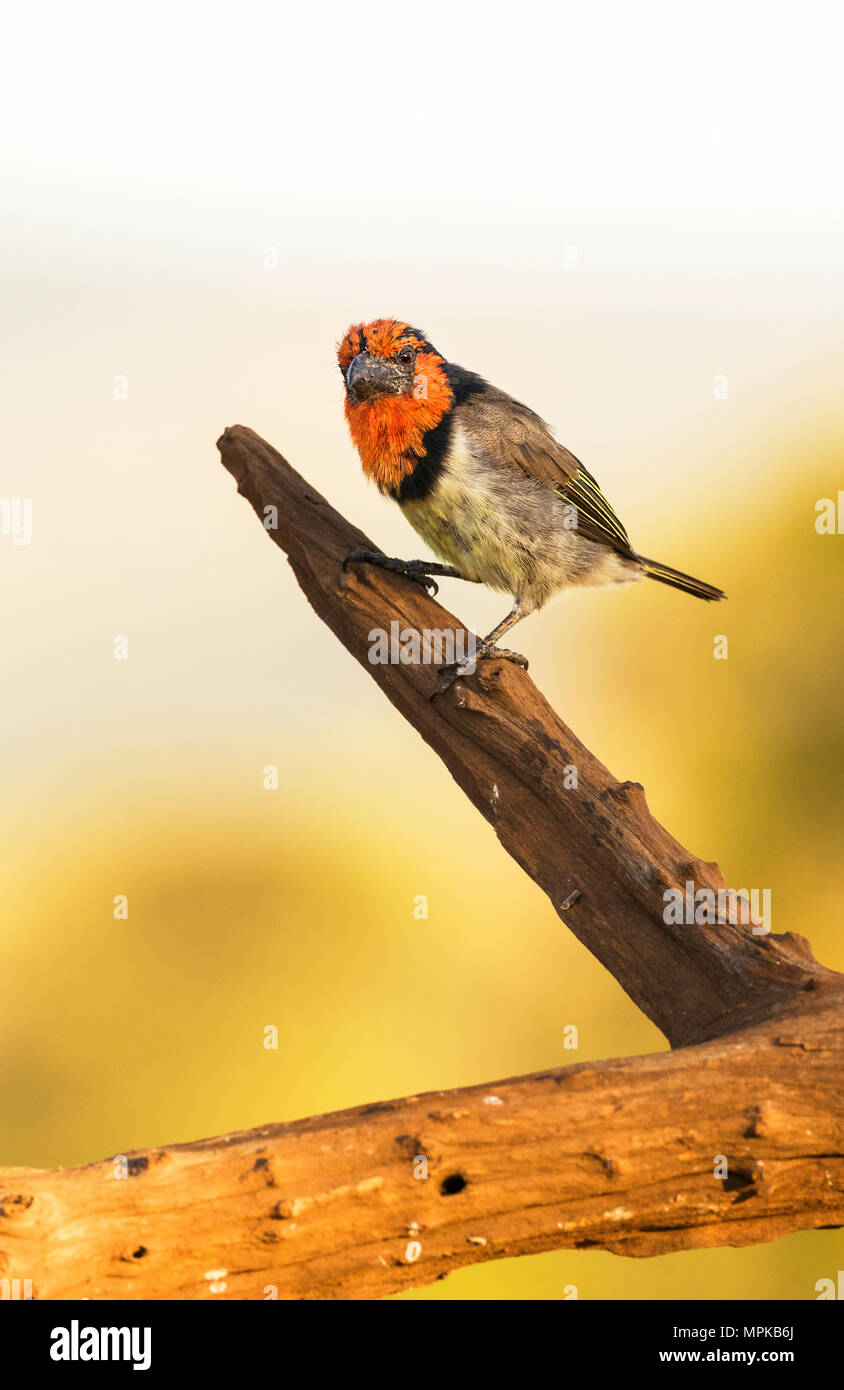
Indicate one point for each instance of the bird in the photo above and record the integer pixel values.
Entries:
(483, 481)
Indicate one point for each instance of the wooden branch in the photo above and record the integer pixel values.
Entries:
(618, 1155)
(615, 1155)
(508, 750)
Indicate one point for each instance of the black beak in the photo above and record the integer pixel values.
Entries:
(369, 377)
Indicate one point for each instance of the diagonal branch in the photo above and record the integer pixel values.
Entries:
(509, 752)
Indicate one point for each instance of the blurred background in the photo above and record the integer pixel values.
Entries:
(629, 217)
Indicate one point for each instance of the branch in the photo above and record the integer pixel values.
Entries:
(615, 1155)
(619, 1155)
(508, 750)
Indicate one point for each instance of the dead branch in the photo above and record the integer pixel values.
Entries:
(619, 1155)
(614, 1155)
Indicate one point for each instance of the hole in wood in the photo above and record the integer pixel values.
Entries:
(455, 1182)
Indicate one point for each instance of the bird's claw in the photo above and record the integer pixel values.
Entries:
(449, 674)
(516, 657)
(354, 555)
(385, 562)
(427, 581)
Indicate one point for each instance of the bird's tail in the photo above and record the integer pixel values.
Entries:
(654, 570)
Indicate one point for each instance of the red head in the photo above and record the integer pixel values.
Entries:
(397, 390)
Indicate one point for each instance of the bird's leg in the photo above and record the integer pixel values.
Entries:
(420, 570)
(485, 648)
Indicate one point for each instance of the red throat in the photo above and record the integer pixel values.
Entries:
(389, 432)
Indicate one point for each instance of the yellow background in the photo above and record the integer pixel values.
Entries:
(601, 216)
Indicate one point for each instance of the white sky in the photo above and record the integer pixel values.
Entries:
(658, 134)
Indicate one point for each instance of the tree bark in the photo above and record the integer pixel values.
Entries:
(735, 1137)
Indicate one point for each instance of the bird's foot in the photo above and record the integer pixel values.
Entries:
(465, 667)
(505, 654)
(413, 569)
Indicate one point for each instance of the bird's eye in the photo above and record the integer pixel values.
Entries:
(406, 356)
